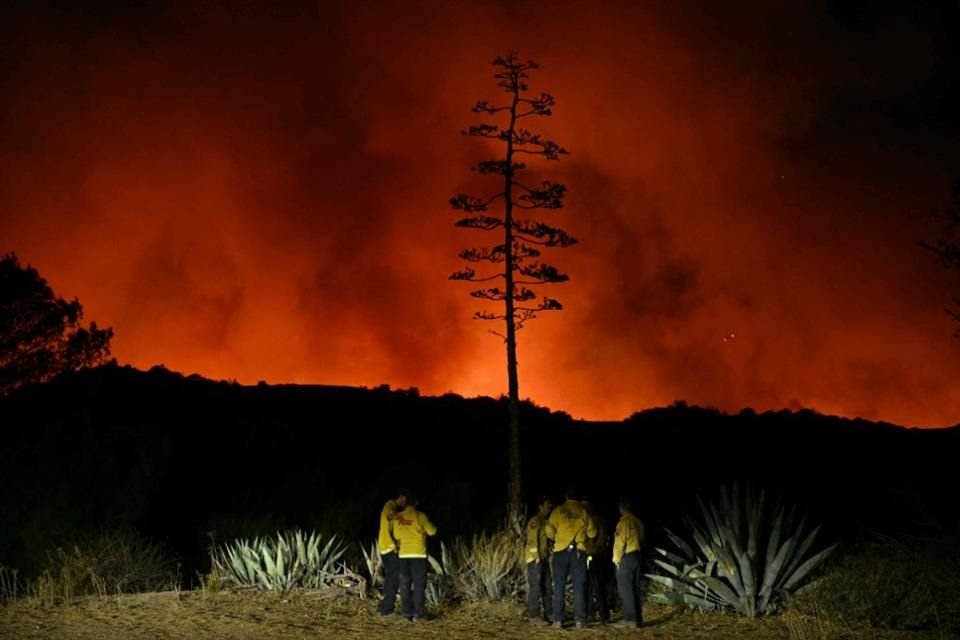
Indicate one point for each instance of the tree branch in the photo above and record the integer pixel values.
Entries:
(470, 275)
(544, 272)
(483, 106)
(551, 236)
(498, 166)
(495, 254)
(473, 204)
(483, 130)
(484, 223)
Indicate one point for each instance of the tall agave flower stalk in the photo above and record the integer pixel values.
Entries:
(740, 558)
(290, 560)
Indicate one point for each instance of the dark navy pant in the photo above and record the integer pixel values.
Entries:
(628, 584)
(597, 574)
(570, 562)
(391, 582)
(538, 589)
(413, 586)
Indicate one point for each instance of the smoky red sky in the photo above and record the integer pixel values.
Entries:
(258, 191)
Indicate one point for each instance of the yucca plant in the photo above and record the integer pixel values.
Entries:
(489, 567)
(740, 559)
(290, 560)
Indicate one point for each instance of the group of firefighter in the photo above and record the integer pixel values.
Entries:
(566, 541)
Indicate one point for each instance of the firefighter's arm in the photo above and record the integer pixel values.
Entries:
(591, 527)
(619, 543)
(390, 510)
(428, 526)
(550, 529)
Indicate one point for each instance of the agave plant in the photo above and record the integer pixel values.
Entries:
(439, 578)
(290, 560)
(740, 559)
(374, 563)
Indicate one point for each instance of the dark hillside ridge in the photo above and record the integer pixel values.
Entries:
(178, 458)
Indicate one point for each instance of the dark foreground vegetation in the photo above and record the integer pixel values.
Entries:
(116, 480)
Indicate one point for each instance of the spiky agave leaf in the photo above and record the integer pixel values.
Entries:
(669, 568)
(681, 544)
(708, 550)
(806, 567)
(237, 564)
(801, 552)
(676, 559)
(753, 525)
(313, 544)
(301, 546)
(726, 566)
(286, 561)
(680, 591)
(721, 589)
(748, 594)
(712, 527)
(267, 557)
(775, 560)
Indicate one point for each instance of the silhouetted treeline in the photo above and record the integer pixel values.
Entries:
(180, 458)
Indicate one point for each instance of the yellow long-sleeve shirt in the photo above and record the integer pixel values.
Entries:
(385, 540)
(629, 537)
(537, 549)
(411, 528)
(570, 524)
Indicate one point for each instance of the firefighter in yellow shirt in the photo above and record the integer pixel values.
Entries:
(387, 545)
(537, 555)
(411, 528)
(627, 543)
(569, 527)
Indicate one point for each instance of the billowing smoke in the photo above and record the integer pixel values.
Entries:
(260, 193)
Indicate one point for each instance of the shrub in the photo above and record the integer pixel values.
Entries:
(119, 562)
(894, 584)
(10, 586)
(740, 559)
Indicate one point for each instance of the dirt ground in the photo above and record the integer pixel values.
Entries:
(251, 615)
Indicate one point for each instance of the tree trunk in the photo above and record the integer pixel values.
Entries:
(514, 513)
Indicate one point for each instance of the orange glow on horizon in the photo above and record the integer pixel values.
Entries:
(278, 212)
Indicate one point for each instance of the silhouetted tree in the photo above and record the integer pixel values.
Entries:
(516, 258)
(40, 333)
(947, 248)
